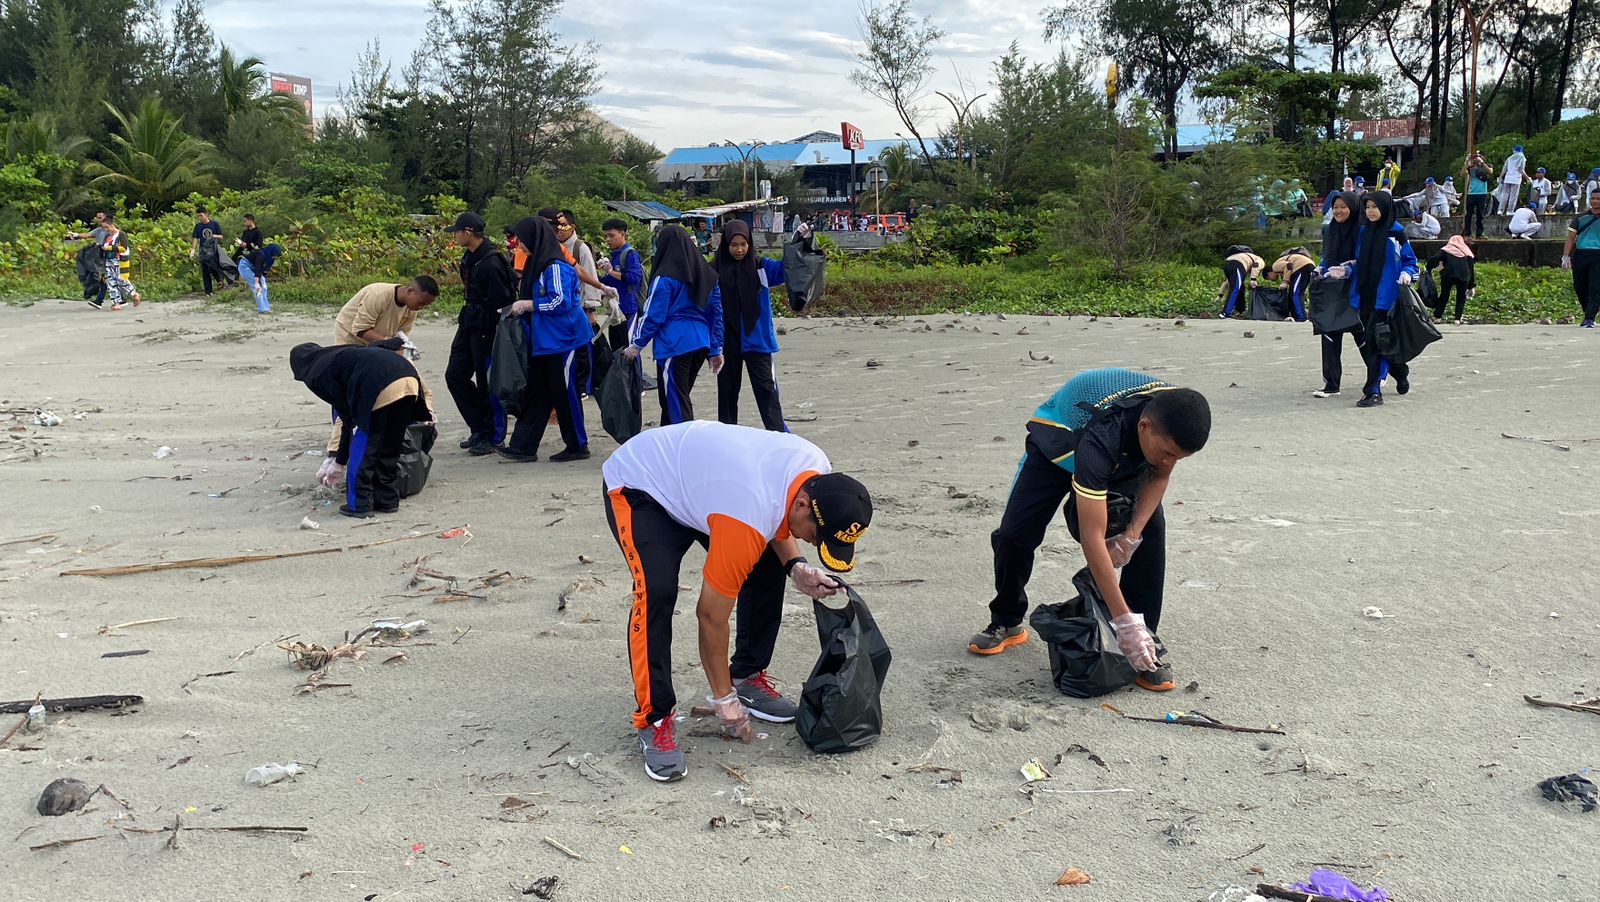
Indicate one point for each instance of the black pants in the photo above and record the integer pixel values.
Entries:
(1233, 274)
(551, 386)
(1446, 285)
(1037, 494)
(1586, 281)
(1477, 204)
(1379, 367)
(675, 382)
(467, 374)
(762, 385)
(1299, 281)
(373, 479)
(205, 277)
(617, 335)
(1332, 357)
(654, 545)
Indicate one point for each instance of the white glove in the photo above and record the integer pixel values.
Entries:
(1135, 642)
(1405, 278)
(1336, 272)
(1122, 548)
(813, 583)
(521, 307)
(733, 717)
(1566, 262)
(408, 347)
(331, 473)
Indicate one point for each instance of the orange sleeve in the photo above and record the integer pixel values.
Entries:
(735, 548)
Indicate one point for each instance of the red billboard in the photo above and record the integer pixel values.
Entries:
(295, 86)
(851, 138)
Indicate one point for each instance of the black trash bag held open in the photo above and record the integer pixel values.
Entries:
(1427, 288)
(621, 409)
(1268, 302)
(1084, 659)
(1330, 310)
(840, 707)
(803, 272)
(416, 459)
(508, 364)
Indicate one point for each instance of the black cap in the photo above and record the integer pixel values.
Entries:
(844, 511)
(469, 222)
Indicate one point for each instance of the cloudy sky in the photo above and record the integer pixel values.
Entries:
(675, 73)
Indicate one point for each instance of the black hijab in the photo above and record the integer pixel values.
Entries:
(350, 377)
(1373, 255)
(740, 280)
(538, 239)
(677, 257)
(1339, 240)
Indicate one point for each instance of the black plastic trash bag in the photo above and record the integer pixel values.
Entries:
(1409, 331)
(600, 359)
(803, 272)
(416, 459)
(508, 364)
(1330, 311)
(1270, 302)
(1571, 788)
(840, 706)
(1428, 289)
(1084, 659)
(1119, 514)
(621, 409)
(91, 267)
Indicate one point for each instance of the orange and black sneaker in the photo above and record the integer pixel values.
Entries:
(997, 639)
(1158, 680)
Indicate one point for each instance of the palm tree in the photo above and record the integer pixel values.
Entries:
(244, 87)
(37, 134)
(153, 162)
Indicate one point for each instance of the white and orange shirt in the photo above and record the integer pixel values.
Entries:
(733, 483)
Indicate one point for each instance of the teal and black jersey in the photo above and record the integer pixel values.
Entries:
(1108, 401)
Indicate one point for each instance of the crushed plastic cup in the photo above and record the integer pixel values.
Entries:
(36, 718)
(163, 452)
(1034, 770)
(267, 774)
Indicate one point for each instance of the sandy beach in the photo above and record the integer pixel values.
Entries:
(1409, 759)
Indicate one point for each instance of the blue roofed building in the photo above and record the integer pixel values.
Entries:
(824, 166)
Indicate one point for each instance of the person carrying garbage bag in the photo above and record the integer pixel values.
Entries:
(749, 496)
(1241, 266)
(1106, 443)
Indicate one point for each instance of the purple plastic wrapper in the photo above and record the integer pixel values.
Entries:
(1338, 886)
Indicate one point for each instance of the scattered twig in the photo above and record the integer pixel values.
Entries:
(81, 703)
(19, 723)
(106, 629)
(203, 563)
(1071, 792)
(63, 842)
(131, 653)
(45, 537)
(887, 582)
(176, 828)
(255, 648)
(200, 676)
(462, 636)
(1249, 853)
(562, 849)
(1538, 441)
(1533, 700)
(1196, 719)
(1278, 892)
(224, 492)
(559, 748)
(734, 773)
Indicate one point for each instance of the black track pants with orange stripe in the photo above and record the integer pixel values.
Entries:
(654, 545)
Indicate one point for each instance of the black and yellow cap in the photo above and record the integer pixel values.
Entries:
(844, 511)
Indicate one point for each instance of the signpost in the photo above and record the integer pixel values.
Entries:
(879, 177)
(852, 140)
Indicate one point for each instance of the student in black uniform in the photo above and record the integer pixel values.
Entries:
(1339, 255)
(377, 394)
(1109, 438)
(486, 281)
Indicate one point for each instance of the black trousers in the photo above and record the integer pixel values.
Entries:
(762, 385)
(1379, 367)
(654, 545)
(1446, 285)
(675, 382)
(1332, 357)
(1477, 205)
(551, 386)
(467, 373)
(205, 277)
(1586, 281)
(1037, 494)
(1233, 274)
(373, 473)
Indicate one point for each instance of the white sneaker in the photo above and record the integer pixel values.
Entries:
(1324, 393)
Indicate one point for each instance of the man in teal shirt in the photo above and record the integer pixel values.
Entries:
(1582, 256)
(1478, 175)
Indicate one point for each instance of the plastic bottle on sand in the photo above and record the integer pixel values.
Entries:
(271, 773)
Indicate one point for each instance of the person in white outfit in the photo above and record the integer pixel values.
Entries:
(1540, 191)
(1424, 225)
(1524, 223)
(1511, 181)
